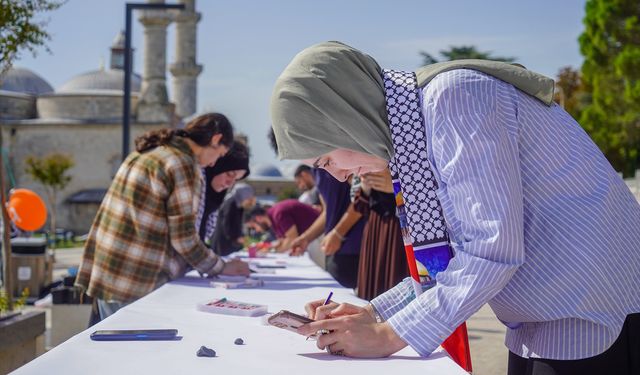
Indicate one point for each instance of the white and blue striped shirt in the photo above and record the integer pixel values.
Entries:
(543, 228)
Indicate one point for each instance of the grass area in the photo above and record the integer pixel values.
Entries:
(68, 244)
(61, 243)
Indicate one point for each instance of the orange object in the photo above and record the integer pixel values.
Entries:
(263, 245)
(26, 209)
(399, 200)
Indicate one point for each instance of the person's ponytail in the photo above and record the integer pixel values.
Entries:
(155, 138)
(200, 130)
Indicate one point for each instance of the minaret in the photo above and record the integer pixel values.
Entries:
(185, 70)
(153, 105)
(117, 52)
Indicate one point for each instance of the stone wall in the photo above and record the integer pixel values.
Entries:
(270, 187)
(92, 107)
(96, 150)
(15, 105)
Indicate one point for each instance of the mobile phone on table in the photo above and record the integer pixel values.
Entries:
(134, 334)
(288, 320)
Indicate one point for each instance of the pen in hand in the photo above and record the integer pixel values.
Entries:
(326, 302)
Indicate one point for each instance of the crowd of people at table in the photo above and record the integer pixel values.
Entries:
(542, 228)
(157, 183)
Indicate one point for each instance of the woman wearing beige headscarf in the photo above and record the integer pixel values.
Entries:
(524, 196)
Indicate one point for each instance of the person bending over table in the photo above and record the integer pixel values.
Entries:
(228, 235)
(305, 181)
(383, 263)
(232, 167)
(542, 227)
(342, 226)
(144, 232)
(286, 219)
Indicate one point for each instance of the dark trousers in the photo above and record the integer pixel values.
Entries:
(622, 358)
(100, 310)
(95, 314)
(344, 268)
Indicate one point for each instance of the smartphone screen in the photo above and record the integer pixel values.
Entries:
(134, 335)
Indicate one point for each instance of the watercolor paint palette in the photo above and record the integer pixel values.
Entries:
(229, 307)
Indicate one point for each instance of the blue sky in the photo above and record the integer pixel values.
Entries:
(245, 44)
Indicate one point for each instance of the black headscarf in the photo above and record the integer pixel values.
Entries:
(237, 158)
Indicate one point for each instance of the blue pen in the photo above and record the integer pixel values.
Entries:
(326, 302)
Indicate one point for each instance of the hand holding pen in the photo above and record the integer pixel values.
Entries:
(313, 312)
(320, 309)
(329, 320)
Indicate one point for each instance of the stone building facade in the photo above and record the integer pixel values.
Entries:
(83, 117)
(269, 183)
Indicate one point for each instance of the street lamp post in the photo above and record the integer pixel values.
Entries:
(126, 107)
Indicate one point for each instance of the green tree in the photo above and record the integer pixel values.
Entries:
(288, 193)
(610, 44)
(20, 30)
(50, 172)
(570, 92)
(462, 52)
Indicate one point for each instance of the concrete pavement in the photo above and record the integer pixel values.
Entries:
(486, 338)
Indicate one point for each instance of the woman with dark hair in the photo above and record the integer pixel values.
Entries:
(234, 166)
(144, 232)
(202, 131)
(228, 235)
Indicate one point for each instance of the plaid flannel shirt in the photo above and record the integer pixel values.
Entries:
(144, 232)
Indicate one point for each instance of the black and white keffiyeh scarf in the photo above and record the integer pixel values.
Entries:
(422, 222)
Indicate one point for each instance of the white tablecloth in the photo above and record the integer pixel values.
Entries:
(267, 350)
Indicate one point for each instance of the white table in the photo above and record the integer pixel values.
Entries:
(267, 350)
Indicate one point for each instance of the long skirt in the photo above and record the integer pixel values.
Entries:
(383, 262)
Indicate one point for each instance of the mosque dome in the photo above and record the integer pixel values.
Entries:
(100, 80)
(18, 92)
(266, 170)
(25, 81)
(92, 96)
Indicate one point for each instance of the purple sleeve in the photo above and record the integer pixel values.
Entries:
(282, 222)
